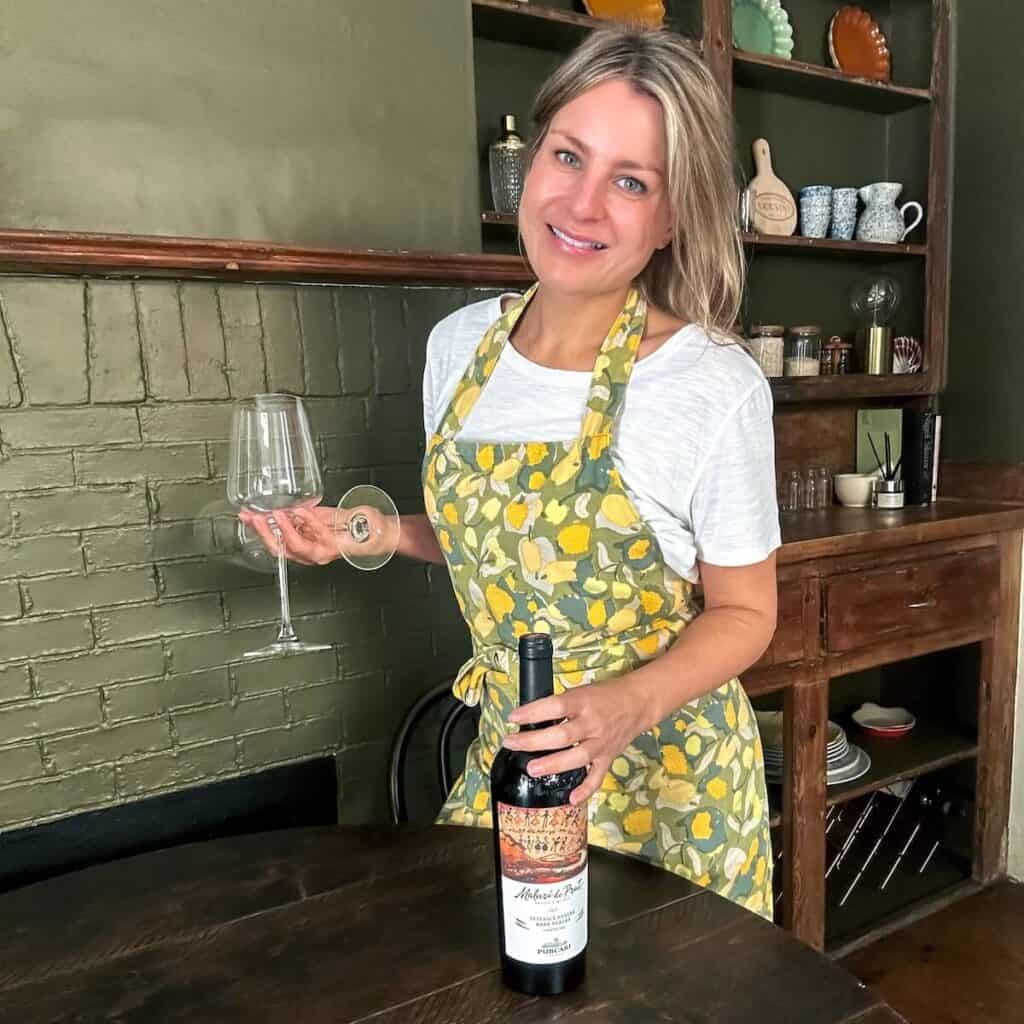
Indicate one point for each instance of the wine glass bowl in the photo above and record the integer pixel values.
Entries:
(272, 463)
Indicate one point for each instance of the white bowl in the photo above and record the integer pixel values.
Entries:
(854, 489)
(873, 716)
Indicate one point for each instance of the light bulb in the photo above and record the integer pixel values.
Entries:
(875, 299)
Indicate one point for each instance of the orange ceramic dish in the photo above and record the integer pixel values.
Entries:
(857, 46)
(647, 12)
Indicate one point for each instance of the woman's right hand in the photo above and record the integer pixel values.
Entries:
(311, 535)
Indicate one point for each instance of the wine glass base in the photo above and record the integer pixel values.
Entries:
(284, 648)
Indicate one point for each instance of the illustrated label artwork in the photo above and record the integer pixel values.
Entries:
(544, 881)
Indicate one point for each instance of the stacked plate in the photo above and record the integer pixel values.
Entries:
(844, 761)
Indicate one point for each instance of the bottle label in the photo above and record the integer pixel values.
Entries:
(543, 881)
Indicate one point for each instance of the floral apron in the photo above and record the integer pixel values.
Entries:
(543, 537)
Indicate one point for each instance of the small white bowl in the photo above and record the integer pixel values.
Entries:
(854, 489)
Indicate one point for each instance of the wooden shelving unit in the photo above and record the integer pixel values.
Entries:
(920, 153)
(927, 748)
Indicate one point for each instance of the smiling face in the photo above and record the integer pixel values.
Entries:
(595, 201)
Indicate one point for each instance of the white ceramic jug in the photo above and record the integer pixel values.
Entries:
(882, 220)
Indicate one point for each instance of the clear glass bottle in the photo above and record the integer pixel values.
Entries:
(766, 346)
(811, 490)
(792, 492)
(508, 167)
(823, 492)
(803, 352)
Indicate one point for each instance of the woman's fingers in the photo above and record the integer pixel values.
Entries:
(563, 761)
(548, 709)
(297, 547)
(260, 525)
(592, 783)
(307, 534)
(553, 738)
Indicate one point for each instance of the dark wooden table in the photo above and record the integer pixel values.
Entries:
(398, 925)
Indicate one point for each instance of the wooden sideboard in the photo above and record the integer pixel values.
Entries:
(860, 589)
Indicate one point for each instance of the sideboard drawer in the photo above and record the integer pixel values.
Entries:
(788, 642)
(947, 592)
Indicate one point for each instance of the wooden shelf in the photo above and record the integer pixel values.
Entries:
(534, 24)
(800, 246)
(817, 82)
(849, 386)
(927, 748)
(51, 252)
(530, 24)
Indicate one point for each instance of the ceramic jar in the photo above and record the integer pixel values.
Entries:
(882, 220)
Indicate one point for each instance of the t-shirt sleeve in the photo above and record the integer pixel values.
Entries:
(429, 387)
(734, 508)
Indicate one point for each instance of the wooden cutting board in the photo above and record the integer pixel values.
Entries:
(772, 208)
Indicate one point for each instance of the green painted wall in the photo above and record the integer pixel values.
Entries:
(340, 123)
(983, 413)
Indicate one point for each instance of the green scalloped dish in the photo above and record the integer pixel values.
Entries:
(762, 26)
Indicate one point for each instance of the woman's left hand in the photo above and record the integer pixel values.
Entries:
(594, 724)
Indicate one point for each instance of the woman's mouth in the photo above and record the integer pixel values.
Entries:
(574, 244)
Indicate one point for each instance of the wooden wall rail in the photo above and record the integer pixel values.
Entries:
(42, 252)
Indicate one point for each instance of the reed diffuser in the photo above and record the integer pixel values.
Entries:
(888, 491)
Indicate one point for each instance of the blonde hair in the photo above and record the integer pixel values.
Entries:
(699, 276)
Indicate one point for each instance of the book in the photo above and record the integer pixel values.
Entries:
(919, 461)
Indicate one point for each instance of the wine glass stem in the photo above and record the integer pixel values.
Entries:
(285, 634)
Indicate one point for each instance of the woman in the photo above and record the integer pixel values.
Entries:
(581, 479)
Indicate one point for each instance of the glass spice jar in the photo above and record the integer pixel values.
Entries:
(803, 352)
(767, 347)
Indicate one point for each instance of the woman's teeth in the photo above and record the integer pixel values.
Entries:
(575, 243)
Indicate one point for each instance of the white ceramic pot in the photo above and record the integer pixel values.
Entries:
(854, 489)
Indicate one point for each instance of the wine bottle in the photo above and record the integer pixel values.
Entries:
(540, 854)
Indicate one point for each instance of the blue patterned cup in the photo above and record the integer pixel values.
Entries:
(815, 210)
(844, 213)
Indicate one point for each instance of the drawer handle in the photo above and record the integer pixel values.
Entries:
(928, 602)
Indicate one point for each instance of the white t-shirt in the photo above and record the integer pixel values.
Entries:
(694, 443)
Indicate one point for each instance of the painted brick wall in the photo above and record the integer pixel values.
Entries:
(120, 637)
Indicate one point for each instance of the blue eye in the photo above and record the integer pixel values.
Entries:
(634, 186)
(566, 157)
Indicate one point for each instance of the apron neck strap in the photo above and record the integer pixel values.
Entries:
(608, 382)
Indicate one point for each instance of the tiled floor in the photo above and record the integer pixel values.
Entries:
(963, 965)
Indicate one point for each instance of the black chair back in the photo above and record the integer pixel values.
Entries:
(438, 714)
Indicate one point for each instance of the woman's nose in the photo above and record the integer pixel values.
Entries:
(588, 198)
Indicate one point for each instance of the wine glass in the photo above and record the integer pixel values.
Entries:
(272, 467)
